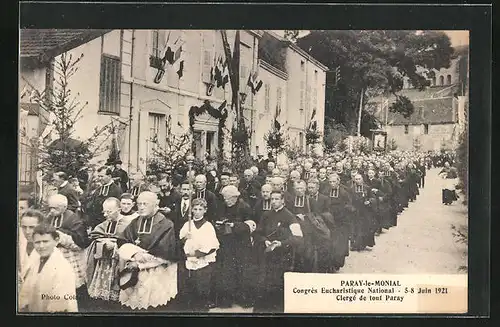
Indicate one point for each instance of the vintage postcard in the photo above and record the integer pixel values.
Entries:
(243, 171)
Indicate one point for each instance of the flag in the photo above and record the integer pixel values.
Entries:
(236, 61)
(218, 71)
(277, 125)
(313, 123)
(313, 114)
(225, 74)
(179, 61)
(254, 82)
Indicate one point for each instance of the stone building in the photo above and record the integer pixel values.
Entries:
(116, 77)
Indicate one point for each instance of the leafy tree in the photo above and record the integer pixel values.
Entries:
(374, 63)
(291, 35)
(275, 141)
(334, 134)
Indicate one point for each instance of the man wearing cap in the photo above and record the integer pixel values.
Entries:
(234, 227)
(120, 175)
(64, 187)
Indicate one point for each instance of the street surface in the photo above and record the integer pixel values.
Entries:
(421, 243)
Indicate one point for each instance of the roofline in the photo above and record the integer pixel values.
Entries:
(69, 45)
(299, 50)
(256, 33)
(447, 122)
(273, 70)
(307, 56)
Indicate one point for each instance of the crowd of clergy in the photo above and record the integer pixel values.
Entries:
(209, 239)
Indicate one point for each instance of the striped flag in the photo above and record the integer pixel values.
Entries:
(254, 82)
(277, 125)
(313, 123)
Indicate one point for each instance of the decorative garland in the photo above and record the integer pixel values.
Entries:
(220, 113)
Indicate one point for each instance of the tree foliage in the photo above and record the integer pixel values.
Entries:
(402, 105)
(376, 61)
(335, 133)
(60, 110)
(291, 35)
(275, 141)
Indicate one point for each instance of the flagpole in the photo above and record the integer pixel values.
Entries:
(190, 159)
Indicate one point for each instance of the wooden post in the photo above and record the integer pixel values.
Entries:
(360, 112)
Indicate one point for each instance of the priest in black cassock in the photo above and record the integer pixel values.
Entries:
(306, 254)
(234, 226)
(263, 203)
(342, 211)
(107, 189)
(363, 233)
(277, 237)
(320, 205)
(201, 192)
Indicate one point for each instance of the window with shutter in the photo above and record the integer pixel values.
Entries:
(157, 45)
(308, 97)
(109, 88)
(301, 95)
(315, 97)
(267, 89)
(207, 65)
(156, 137)
(278, 97)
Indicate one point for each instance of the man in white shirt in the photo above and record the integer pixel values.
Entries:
(50, 281)
(200, 247)
(29, 220)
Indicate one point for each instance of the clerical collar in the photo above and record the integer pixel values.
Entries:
(334, 192)
(299, 201)
(266, 205)
(111, 228)
(63, 184)
(279, 209)
(105, 189)
(146, 225)
(201, 194)
(57, 222)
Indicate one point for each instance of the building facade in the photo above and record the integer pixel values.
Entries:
(116, 77)
(294, 86)
(439, 115)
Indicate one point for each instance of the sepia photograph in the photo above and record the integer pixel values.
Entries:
(243, 171)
